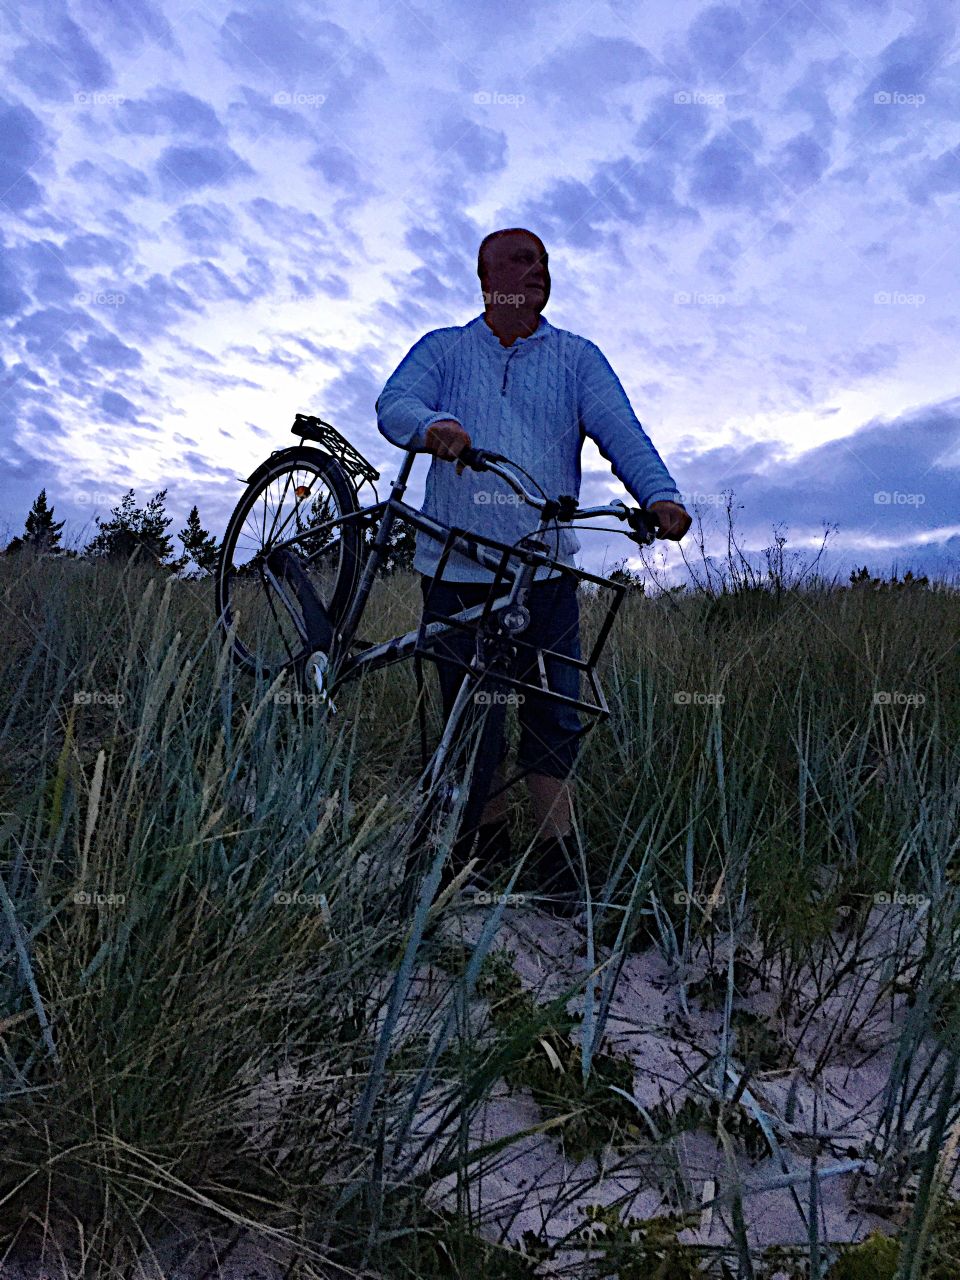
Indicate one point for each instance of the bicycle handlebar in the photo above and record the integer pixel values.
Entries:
(643, 522)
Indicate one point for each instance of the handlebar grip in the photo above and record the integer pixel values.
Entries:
(644, 524)
(474, 458)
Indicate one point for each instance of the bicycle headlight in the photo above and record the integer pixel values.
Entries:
(517, 618)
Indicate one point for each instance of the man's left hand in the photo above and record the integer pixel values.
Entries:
(674, 519)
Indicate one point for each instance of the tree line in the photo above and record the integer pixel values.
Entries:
(134, 530)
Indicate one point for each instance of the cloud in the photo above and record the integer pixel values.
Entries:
(170, 111)
(867, 481)
(118, 407)
(292, 49)
(726, 172)
(206, 281)
(61, 64)
(810, 93)
(127, 27)
(717, 39)
(801, 162)
(118, 176)
(44, 272)
(155, 307)
(671, 130)
(108, 352)
(45, 330)
(256, 115)
(87, 249)
(473, 148)
(22, 143)
(337, 166)
(206, 228)
(940, 177)
(183, 169)
(45, 422)
(586, 70)
(12, 297)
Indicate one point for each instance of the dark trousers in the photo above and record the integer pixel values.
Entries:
(549, 732)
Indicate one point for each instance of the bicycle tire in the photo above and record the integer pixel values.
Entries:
(287, 462)
(433, 825)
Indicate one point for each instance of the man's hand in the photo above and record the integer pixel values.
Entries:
(446, 440)
(674, 519)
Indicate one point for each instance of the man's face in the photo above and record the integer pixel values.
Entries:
(515, 267)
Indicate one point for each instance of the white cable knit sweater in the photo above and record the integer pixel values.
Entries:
(533, 401)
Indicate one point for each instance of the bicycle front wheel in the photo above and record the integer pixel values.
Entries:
(299, 498)
(457, 784)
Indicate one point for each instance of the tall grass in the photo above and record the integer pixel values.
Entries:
(212, 1015)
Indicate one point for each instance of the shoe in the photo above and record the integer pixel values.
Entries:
(493, 854)
(553, 875)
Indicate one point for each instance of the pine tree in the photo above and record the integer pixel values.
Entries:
(132, 529)
(41, 529)
(41, 532)
(630, 578)
(198, 545)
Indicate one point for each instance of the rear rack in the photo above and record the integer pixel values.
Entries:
(323, 433)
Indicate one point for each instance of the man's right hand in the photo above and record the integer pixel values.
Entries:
(446, 440)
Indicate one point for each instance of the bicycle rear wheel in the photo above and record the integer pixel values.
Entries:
(276, 599)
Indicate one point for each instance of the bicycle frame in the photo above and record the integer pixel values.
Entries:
(515, 563)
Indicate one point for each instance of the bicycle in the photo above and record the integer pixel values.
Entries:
(294, 604)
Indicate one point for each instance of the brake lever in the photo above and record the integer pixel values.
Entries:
(644, 524)
(475, 459)
(478, 459)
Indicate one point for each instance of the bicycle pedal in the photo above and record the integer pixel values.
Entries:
(317, 665)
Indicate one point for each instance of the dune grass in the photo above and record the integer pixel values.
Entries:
(198, 915)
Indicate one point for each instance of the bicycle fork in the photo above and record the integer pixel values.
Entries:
(315, 628)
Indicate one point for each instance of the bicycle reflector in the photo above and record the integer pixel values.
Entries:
(302, 491)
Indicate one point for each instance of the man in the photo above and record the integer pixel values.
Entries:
(510, 382)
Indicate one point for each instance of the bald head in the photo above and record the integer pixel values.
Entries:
(512, 264)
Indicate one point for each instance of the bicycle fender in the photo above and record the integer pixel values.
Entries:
(279, 455)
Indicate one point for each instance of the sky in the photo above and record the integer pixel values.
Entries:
(217, 215)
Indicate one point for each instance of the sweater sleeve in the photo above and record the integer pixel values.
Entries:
(607, 418)
(410, 399)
